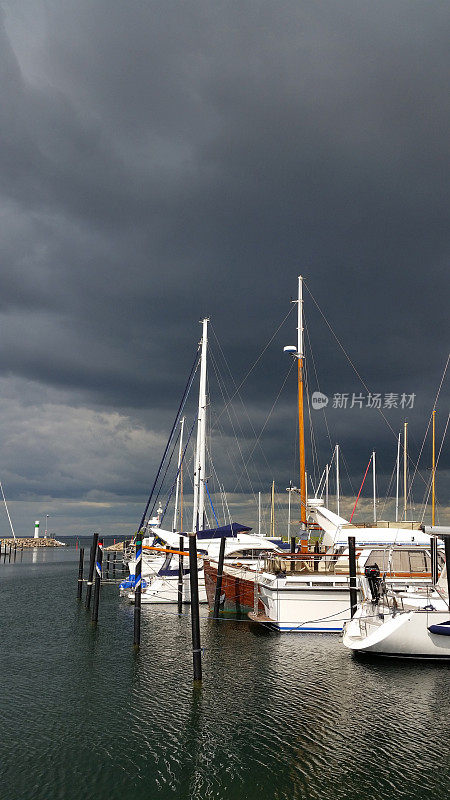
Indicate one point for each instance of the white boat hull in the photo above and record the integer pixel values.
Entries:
(304, 609)
(403, 635)
(165, 590)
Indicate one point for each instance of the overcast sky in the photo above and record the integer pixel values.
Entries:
(162, 161)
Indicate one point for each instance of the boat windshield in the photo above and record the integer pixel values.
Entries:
(402, 561)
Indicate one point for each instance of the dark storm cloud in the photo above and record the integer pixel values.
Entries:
(165, 160)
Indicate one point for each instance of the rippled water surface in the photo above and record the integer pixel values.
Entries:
(278, 716)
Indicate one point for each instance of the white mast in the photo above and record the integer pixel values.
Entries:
(398, 477)
(327, 469)
(177, 490)
(374, 489)
(10, 521)
(200, 459)
(259, 513)
(289, 491)
(337, 479)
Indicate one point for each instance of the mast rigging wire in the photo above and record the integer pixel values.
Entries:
(259, 357)
(268, 416)
(360, 488)
(430, 419)
(435, 467)
(230, 400)
(172, 488)
(177, 419)
(228, 406)
(358, 374)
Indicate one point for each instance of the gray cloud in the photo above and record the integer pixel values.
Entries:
(162, 161)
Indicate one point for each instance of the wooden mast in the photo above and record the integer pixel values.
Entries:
(433, 473)
(297, 352)
(301, 424)
(405, 471)
(398, 476)
(181, 497)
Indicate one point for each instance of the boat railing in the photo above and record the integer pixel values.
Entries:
(309, 562)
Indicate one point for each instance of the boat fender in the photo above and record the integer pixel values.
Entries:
(442, 629)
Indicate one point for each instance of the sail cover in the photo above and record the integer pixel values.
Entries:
(224, 532)
(227, 531)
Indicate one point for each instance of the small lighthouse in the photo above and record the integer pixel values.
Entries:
(36, 529)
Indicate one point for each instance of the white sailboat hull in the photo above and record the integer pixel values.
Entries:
(403, 635)
(165, 590)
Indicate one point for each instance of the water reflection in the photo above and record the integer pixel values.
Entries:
(278, 717)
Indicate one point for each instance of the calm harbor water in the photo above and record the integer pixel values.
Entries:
(278, 717)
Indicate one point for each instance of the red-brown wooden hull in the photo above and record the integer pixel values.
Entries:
(238, 588)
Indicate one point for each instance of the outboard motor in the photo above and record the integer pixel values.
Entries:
(372, 574)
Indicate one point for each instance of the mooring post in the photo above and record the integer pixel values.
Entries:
(352, 573)
(114, 563)
(137, 592)
(107, 565)
(195, 617)
(80, 574)
(91, 570)
(98, 580)
(180, 575)
(434, 561)
(219, 578)
(292, 544)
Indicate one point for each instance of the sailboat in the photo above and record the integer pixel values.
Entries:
(309, 590)
(161, 577)
(408, 624)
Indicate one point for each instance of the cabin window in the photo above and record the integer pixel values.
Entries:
(400, 560)
(418, 562)
(241, 554)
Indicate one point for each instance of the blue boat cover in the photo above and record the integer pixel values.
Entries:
(443, 629)
(225, 532)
